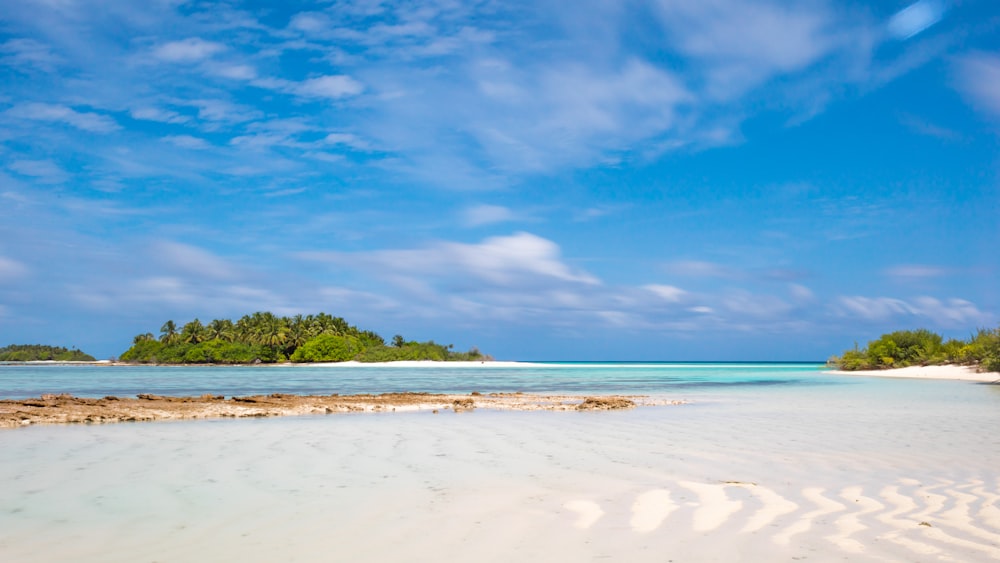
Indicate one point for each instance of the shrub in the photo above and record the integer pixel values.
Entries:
(328, 348)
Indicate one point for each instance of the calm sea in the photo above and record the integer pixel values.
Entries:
(22, 381)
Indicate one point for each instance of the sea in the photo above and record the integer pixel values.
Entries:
(763, 462)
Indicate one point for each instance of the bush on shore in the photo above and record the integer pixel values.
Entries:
(922, 347)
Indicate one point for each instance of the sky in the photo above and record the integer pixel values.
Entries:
(595, 180)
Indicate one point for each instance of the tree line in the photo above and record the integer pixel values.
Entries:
(921, 348)
(41, 352)
(264, 337)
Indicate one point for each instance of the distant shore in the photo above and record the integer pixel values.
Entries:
(948, 372)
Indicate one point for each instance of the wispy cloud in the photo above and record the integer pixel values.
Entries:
(187, 142)
(44, 171)
(701, 269)
(28, 53)
(188, 50)
(158, 114)
(333, 87)
(950, 313)
(519, 259)
(979, 81)
(87, 121)
(480, 215)
(916, 18)
(11, 269)
(916, 271)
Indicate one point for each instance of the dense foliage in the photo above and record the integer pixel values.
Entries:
(922, 347)
(39, 352)
(266, 338)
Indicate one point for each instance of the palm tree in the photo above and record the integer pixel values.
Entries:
(298, 333)
(220, 329)
(143, 338)
(193, 332)
(270, 330)
(168, 332)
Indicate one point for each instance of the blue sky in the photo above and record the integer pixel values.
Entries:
(711, 180)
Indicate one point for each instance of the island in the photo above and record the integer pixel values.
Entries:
(907, 349)
(265, 338)
(42, 353)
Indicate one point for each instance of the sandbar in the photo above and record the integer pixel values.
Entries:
(67, 409)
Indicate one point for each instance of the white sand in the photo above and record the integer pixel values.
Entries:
(951, 372)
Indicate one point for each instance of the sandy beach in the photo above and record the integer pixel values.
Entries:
(949, 372)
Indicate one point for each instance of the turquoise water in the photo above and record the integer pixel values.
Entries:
(22, 381)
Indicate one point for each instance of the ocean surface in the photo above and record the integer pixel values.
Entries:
(767, 462)
(22, 381)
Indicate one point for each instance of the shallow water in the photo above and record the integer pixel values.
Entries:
(22, 381)
(843, 470)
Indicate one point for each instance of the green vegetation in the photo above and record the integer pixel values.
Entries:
(921, 348)
(40, 352)
(266, 338)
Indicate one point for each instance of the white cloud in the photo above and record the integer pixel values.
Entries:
(310, 22)
(744, 303)
(480, 215)
(86, 121)
(183, 258)
(915, 18)
(224, 111)
(333, 87)
(950, 312)
(979, 81)
(11, 269)
(915, 271)
(518, 259)
(187, 50)
(44, 171)
(234, 71)
(700, 269)
(740, 45)
(801, 293)
(28, 53)
(158, 114)
(667, 293)
(348, 140)
(187, 142)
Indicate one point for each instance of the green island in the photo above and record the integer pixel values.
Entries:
(267, 338)
(42, 353)
(922, 347)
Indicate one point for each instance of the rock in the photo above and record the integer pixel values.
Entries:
(605, 404)
(459, 405)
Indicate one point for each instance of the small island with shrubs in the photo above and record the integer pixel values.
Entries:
(267, 338)
(42, 353)
(905, 348)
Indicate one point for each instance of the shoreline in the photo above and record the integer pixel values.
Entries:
(67, 409)
(945, 372)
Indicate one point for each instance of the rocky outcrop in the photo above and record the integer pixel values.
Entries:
(66, 409)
